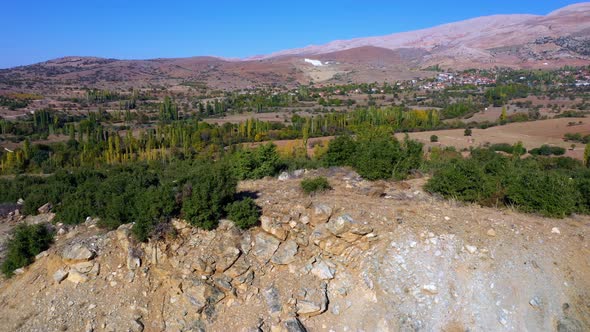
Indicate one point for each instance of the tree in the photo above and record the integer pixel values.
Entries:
(341, 151)
(587, 155)
(503, 116)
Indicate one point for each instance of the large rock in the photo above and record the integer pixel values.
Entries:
(340, 225)
(323, 270)
(133, 260)
(294, 325)
(83, 267)
(319, 234)
(229, 256)
(46, 208)
(321, 214)
(201, 294)
(265, 246)
(286, 253)
(77, 252)
(314, 303)
(76, 277)
(271, 226)
(60, 275)
(238, 268)
(273, 301)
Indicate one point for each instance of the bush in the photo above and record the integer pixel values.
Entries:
(554, 187)
(207, 192)
(376, 157)
(340, 152)
(26, 242)
(154, 206)
(314, 185)
(244, 213)
(467, 132)
(546, 150)
(516, 149)
(433, 138)
(549, 193)
(256, 163)
(462, 179)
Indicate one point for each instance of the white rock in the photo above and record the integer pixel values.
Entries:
(431, 289)
(471, 249)
(322, 270)
(555, 230)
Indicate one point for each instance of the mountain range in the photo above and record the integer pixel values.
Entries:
(519, 41)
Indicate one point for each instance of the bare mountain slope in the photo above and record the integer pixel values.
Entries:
(520, 41)
(481, 33)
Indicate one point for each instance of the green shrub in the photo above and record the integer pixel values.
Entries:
(376, 157)
(207, 192)
(154, 206)
(517, 148)
(315, 185)
(411, 159)
(433, 138)
(549, 193)
(25, 243)
(467, 132)
(341, 151)
(546, 150)
(462, 179)
(256, 163)
(244, 213)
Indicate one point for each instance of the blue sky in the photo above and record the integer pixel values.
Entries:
(34, 31)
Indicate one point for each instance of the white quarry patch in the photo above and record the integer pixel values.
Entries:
(316, 63)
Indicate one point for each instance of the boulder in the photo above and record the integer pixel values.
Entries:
(340, 225)
(77, 252)
(201, 294)
(314, 303)
(228, 258)
(334, 245)
(45, 208)
(238, 268)
(294, 325)
(321, 214)
(60, 275)
(284, 176)
(286, 253)
(133, 260)
(223, 283)
(83, 267)
(271, 226)
(76, 277)
(265, 246)
(307, 307)
(273, 301)
(319, 234)
(323, 270)
(204, 265)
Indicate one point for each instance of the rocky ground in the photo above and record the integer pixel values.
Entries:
(381, 256)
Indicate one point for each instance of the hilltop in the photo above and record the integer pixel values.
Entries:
(366, 255)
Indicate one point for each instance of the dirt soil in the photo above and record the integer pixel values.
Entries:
(531, 134)
(381, 256)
